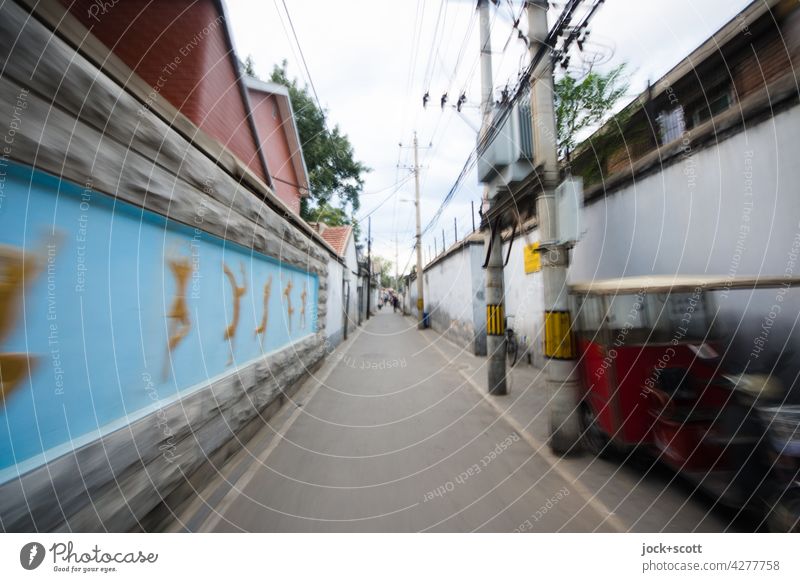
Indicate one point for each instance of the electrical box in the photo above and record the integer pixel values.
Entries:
(569, 210)
(507, 156)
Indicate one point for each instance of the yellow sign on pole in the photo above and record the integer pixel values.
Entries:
(533, 262)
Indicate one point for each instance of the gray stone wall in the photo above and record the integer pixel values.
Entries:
(84, 122)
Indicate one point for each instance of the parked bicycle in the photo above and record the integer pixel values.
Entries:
(512, 344)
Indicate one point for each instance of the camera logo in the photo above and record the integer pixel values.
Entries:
(31, 555)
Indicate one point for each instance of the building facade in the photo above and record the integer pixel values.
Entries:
(161, 296)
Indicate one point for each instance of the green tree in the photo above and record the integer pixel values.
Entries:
(330, 215)
(335, 176)
(249, 67)
(383, 268)
(333, 216)
(585, 103)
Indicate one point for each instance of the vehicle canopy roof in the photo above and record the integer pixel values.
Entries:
(679, 284)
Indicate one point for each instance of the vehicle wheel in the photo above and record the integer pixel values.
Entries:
(594, 439)
(511, 350)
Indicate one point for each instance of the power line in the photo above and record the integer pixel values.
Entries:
(385, 200)
(504, 110)
(432, 55)
(303, 59)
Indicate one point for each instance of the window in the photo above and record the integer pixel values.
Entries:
(672, 124)
(589, 311)
(717, 103)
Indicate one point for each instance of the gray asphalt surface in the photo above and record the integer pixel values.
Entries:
(393, 433)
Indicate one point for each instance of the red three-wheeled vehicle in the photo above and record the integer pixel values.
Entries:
(657, 374)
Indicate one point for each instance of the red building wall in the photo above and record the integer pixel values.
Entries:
(179, 47)
(276, 147)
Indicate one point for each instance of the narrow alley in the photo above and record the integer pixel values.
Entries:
(363, 267)
(393, 434)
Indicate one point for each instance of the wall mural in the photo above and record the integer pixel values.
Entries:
(15, 270)
(130, 314)
(180, 324)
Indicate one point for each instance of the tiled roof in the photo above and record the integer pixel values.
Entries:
(337, 237)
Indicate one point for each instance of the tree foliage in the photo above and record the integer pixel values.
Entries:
(330, 215)
(249, 67)
(584, 103)
(335, 176)
(383, 268)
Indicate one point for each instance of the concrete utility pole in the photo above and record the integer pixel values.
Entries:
(561, 374)
(495, 312)
(396, 267)
(420, 297)
(369, 262)
(472, 213)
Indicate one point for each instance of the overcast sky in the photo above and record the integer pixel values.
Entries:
(371, 61)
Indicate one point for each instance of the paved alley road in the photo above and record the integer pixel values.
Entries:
(393, 434)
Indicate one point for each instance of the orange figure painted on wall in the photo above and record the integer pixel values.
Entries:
(16, 271)
(180, 324)
(262, 328)
(287, 292)
(303, 297)
(238, 293)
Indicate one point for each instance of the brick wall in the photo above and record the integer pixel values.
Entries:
(276, 147)
(764, 61)
(180, 48)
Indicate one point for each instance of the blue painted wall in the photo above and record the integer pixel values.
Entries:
(95, 317)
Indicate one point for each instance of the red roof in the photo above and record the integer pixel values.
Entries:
(337, 237)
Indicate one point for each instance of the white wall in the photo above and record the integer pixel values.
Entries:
(689, 217)
(454, 297)
(410, 298)
(351, 260)
(729, 209)
(524, 298)
(374, 297)
(334, 317)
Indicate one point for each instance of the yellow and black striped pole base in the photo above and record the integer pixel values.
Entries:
(495, 320)
(558, 341)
